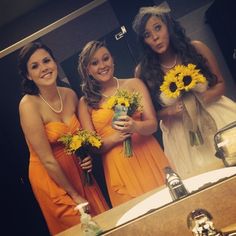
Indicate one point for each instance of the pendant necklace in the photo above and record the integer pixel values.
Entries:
(53, 109)
(117, 87)
(170, 66)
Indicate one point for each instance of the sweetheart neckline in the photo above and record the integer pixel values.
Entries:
(61, 122)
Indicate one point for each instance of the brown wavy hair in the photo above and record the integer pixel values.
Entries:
(90, 87)
(149, 67)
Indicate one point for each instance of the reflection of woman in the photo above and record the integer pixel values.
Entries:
(126, 178)
(165, 45)
(46, 113)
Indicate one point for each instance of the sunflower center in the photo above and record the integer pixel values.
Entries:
(187, 80)
(173, 87)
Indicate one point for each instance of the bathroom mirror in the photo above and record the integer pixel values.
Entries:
(101, 20)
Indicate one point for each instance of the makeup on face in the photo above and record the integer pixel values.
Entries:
(156, 34)
(41, 66)
(101, 64)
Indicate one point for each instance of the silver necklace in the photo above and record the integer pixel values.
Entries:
(117, 87)
(170, 66)
(61, 103)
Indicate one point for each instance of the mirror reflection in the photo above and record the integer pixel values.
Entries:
(192, 111)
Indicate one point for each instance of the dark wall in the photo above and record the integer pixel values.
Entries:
(37, 19)
(21, 214)
(222, 18)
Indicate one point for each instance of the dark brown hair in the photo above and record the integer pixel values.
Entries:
(150, 70)
(28, 86)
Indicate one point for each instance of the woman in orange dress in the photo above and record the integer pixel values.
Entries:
(46, 113)
(126, 178)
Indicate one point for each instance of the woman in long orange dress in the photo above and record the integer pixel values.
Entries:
(46, 113)
(126, 178)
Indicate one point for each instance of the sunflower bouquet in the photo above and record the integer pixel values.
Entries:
(182, 82)
(124, 102)
(182, 79)
(80, 143)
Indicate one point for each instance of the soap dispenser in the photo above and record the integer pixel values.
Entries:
(88, 226)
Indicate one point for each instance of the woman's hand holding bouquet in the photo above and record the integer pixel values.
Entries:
(125, 104)
(81, 143)
(181, 91)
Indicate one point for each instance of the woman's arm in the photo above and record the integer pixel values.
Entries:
(33, 129)
(175, 110)
(148, 125)
(215, 92)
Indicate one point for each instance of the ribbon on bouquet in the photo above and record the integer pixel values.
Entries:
(197, 119)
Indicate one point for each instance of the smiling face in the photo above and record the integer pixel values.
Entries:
(101, 66)
(42, 68)
(156, 35)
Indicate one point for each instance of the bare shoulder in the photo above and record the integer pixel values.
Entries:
(198, 44)
(82, 100)
(130, 82)
(201, 47)
(28, 104)
(133, 84)
(206, 52)
(136, 82)
(83, 106)
(137, 70)
(68, 93)
(83, 103)
(29, 110)
(66, 90)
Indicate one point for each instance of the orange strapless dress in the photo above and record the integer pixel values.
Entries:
(127, 178)
(55, 203)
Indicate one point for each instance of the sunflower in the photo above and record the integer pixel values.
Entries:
(110, 103)
(172, 86)
(181, 78)
(76, 143)
(123, 101)
(190, 76)
(95, 141)
(131, 100)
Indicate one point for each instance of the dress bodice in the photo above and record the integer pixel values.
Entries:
(54, 130)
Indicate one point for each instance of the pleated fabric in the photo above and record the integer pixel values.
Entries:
(127, 178)
(55, 203)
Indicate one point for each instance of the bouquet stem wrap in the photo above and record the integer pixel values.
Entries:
(127, 146)
(197, 119)
(121, 110)
(124, 102)
(81, 153)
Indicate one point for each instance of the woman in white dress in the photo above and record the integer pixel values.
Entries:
(190, 119)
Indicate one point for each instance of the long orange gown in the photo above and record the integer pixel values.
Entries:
(127, 178)
(55, 203)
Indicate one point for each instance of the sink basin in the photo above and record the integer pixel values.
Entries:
(163, 197)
